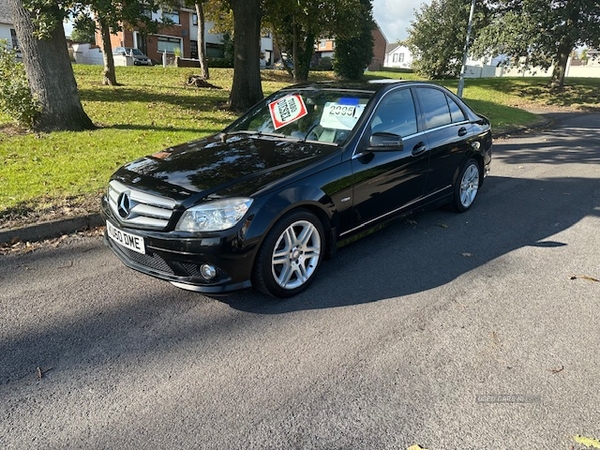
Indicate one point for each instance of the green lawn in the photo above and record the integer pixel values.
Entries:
(154, 109)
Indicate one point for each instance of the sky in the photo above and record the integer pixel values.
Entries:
(394, 16)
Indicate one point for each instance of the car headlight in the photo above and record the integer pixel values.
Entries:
(214, 216)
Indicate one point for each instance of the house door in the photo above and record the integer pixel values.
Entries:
(139, 42)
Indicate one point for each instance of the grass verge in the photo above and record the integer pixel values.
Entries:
(47, 175)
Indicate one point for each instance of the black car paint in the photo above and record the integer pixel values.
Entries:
(349, 187)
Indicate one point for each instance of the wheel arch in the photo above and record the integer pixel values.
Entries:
(305, 197)
(478, 157)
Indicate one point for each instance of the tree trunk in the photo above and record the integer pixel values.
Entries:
(247, 88)
(305, 57)
(109, 75)
(295, 51)
(560, 67)
(201, 43)
(50, 75)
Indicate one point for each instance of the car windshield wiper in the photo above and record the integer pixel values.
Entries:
(270, 134)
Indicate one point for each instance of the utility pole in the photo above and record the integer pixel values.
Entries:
(461, 81)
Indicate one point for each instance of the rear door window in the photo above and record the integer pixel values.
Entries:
(457, 114)
(436, 112)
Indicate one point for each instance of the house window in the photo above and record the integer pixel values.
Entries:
(194, 49)
(395, 57)
(323, 44)
(195, 19)
(401, 57)
(168, 44)
(13, 38)
(146, 11)
(173, 16)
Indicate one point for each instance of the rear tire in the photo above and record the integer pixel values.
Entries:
(290, 255)
(466, 186)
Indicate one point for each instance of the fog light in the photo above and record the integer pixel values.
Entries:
(208, 271)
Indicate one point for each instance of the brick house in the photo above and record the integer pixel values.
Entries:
(178, 38)
(326, 48)
(379, 49)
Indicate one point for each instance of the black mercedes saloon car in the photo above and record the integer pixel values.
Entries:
(263, 203)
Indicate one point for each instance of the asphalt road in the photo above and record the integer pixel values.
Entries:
(472, 331)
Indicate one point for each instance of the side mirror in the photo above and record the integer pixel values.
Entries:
(385, 142)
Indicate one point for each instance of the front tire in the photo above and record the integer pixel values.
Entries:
(466, 186)
(290, 255)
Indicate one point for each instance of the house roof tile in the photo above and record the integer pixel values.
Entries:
(391, 47)
(5, 13)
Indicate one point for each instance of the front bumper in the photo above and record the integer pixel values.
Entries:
(177, 257)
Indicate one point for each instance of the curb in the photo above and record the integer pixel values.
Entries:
(49, 230)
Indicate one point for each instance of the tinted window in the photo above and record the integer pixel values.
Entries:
(435, 108)
(457, 114)
(396, 114)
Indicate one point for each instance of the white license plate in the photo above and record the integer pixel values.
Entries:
(128, 240)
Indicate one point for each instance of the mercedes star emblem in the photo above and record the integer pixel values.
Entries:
(123, 205)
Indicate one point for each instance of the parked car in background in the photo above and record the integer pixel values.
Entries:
(313, 166)
(139, 59)
(285, 63)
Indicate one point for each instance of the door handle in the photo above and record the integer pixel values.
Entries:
(419, 148)
(462, 131)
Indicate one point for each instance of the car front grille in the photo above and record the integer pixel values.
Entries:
(154, 261)
(139, 209)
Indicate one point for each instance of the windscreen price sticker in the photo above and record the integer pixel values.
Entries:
(341, 116)
(287, 110)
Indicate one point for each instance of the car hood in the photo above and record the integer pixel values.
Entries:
(238, 165)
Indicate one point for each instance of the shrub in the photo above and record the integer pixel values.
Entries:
(325, 63)
(16, 99)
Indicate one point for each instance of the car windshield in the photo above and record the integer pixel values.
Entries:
(136, 52)
(323, 115)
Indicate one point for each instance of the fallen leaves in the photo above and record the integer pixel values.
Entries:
(588, 442)
(40, 373)
(17, 246)
(584, 277)
(557, 370)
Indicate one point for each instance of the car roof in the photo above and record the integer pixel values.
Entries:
(372, 86)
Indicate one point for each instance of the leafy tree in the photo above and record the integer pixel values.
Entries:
(16, 99)
(84, 31)
(584, 56)
(541, 33)
(297, 26)
(437, 36)
(39, 28)
(353, 53)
